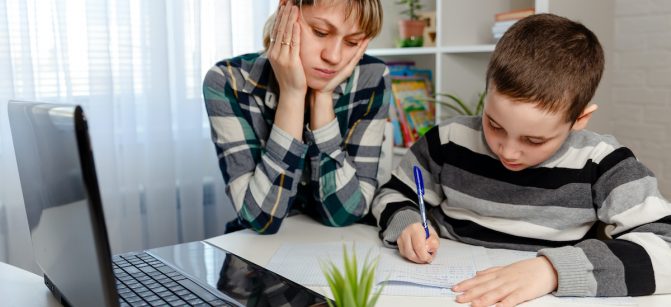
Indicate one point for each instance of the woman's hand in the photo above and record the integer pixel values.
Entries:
(414, 246)
(346, 71)
(321, 101)
(284, 52)
(284, 56)
(509, 285)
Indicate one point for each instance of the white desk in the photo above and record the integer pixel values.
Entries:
(301, 229)
(19, 287)
(22, 288)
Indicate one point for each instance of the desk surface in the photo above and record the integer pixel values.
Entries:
(22, 288)
(301, 229)
(19, 287)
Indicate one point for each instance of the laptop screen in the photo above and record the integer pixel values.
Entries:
(67, 225)
(53, 158)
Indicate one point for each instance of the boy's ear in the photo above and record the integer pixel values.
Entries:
(583, 119)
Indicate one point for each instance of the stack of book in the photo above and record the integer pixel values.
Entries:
(410, 113)
(504, 20)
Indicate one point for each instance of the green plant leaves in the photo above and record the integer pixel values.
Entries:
(351, 287)
(458, 105)
(413, 7)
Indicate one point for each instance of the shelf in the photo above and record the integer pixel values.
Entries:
(468, 49)
(431, 50)
(401, 51)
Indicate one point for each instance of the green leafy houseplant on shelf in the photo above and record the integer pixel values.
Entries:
(457, 105)
(411, 29)
(352, 288)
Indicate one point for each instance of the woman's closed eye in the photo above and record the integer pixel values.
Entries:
(319, 33)
(352, 43)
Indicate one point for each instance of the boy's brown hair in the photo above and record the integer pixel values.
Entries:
(549, 60)
(368, 14)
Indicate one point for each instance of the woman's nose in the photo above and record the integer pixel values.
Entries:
(331, 52)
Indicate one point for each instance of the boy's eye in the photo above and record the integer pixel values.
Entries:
(352, 43)
(319, 33)
(494, 126)
(534, 141)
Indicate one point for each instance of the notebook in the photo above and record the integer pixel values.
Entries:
(70, 243)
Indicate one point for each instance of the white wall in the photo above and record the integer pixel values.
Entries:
(640, 109)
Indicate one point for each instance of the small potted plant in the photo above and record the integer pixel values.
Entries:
(352, 288)
(457, 105)
(411, 30)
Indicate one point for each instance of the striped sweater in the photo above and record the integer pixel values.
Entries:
(262, 165)
(554, 208)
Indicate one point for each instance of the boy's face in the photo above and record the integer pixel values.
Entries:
(520, 134)
(328, 41)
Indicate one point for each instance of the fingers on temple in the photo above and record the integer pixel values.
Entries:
(274, 29)
(288, 29)
(280, 29)
(296, 39)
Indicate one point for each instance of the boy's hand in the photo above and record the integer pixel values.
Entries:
(509, 285)
(413, 244)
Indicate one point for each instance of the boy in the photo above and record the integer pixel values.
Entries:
(525, 175)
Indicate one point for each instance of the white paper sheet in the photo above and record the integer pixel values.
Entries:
(453, 263)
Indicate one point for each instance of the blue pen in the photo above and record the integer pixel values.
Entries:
(419, 182)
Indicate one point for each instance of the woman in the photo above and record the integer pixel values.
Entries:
(300, 125)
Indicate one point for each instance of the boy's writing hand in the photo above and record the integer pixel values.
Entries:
(509, 285)
(413, 244)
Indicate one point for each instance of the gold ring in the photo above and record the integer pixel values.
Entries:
(272, 40)
(284, 43)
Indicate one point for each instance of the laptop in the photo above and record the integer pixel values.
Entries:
(70, 242)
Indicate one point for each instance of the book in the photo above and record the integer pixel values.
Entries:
(408, 137)
(514, 14)
(415, 114)
(395, 125)
(501, 27)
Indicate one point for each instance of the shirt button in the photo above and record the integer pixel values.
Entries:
(304, 183)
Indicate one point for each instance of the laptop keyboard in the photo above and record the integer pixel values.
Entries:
(143, 280)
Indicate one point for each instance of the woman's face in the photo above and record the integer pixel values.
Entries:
(328, 41)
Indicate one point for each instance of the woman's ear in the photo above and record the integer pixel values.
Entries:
(585, 116)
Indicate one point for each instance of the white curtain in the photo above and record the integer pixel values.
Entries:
(136, 67)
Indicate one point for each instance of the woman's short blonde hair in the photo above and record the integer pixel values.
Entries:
(368, 14)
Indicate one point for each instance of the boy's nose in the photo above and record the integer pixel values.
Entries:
(509, 152)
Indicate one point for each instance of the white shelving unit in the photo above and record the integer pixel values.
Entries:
(464, 41)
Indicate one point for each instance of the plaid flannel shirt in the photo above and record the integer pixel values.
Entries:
(331, 173)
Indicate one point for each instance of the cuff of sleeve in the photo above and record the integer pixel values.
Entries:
(327, 138)
(283, 147)
(574, 271)
(398, 222)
